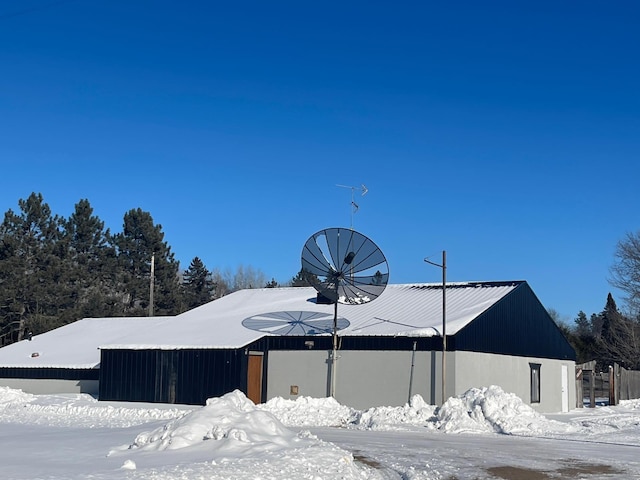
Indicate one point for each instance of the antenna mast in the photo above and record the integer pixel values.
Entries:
(354, 205)
(151, 283)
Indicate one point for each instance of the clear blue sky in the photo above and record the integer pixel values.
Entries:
(506, 133)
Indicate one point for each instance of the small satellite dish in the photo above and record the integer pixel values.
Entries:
(294, 323)
(345, 266)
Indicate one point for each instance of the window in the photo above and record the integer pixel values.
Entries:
(535, 382)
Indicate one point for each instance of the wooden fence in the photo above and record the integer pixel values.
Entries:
(605, 387)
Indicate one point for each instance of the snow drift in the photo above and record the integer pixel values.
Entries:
(231, 423)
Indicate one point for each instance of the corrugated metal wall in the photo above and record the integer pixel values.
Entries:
(517, 325)
(170, 376)
(347, 343)
(50, 373)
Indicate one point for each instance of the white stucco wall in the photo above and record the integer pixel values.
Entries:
(48, 386)
(512, 374)
(308, 370)
(381, 378)
(364, 378)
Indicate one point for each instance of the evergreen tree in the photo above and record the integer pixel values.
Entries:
(300, 280)
(31, 267)
(197, 284)
(620, 338)
(141, 243)
(272, 283)
(583, 326)
(610, 317)
(92, 263)
(583, 339)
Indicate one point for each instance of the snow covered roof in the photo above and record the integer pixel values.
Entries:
(242, 317)
(74, 345)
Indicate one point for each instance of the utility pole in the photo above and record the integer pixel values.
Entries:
(153, 259)
(443, 266)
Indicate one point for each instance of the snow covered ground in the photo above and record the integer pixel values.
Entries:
(485, 433)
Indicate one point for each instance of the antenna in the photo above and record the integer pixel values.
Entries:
(151, 283)
(354, 205)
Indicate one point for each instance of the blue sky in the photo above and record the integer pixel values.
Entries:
(506, 133)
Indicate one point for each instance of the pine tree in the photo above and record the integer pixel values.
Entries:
(31, 266)
(140, 243)
(300, 280)
(583, 327)
(620, 338)
(197, 284)
(610, 319)
(584, 340)
(92, 263)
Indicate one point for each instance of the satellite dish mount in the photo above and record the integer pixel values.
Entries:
(345, 267)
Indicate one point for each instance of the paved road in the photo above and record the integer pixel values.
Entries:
(420, 454)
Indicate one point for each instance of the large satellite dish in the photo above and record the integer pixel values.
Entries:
(345, 266)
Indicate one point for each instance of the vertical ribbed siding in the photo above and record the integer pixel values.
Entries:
(181, 376)
(517, 325)
(50, 373)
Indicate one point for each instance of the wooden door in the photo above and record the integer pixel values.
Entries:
(254, 378)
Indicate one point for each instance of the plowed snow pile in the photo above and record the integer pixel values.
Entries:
(229, 430)
(478, 410)
(490, 409)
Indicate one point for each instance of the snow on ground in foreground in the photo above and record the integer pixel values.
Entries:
(77, 410)
(230, 436)
(232, 428)
(231, 423)
(479, 410)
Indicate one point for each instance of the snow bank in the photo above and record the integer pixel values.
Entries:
(416, 412)
(479, 410)
(77, 410)
(487, 410)
(234, 418)
(238, 438)
(232, 422)
(11, 395)
(308, 411)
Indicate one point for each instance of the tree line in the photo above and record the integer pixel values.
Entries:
(613, 335)
(56, 270)
(607, 337)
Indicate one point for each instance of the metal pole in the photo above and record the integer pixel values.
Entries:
(334, 354)
(444, 324)
(151, 281)
(444, 319)
(413, 361)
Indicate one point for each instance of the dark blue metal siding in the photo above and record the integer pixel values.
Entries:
(517, 325)
(170, 376)
(347, 343)
(50, 373)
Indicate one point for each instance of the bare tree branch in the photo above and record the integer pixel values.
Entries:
(625, 272)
